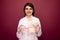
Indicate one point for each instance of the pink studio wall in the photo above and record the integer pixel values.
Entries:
(46, 10)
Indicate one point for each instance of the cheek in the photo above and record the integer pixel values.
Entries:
(28, 11)
(25, 11)
(31, 10)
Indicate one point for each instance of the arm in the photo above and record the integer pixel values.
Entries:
(38, 29)
(19, 33)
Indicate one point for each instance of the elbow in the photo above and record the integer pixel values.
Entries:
(17, 35)
(39, 34)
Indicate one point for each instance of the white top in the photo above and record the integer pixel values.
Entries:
(30, 30)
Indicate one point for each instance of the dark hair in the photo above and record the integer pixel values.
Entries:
(31, 5)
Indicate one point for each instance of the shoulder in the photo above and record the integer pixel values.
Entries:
(22, 19)
(36, 18)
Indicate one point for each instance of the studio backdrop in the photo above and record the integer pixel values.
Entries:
(46, 10)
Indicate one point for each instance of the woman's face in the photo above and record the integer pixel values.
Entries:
(28, 10)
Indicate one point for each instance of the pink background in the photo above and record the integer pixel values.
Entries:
(46, 10)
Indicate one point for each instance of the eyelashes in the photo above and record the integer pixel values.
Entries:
(28, 9)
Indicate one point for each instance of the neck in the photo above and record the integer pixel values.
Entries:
(29, 16)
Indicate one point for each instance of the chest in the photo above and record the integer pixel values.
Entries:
(31, 23)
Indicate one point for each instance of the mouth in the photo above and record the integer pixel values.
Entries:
(29, 12)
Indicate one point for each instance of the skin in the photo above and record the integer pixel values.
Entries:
(28, 11)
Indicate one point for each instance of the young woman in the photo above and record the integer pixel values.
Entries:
(29, 27)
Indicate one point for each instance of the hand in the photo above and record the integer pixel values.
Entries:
(20, 28)
(37, 29)
(31, 29)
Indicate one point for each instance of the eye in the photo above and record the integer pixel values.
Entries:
(26, 8)
(31, 9)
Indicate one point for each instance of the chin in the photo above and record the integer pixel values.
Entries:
(29, 15)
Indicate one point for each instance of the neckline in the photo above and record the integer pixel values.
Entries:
(29, 20)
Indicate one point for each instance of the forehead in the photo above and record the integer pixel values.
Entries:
(28, 7)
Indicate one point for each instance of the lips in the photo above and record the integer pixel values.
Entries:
(29, 12)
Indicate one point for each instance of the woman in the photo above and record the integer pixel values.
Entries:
(29, 27)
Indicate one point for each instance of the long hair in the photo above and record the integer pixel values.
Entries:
(31, 5)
